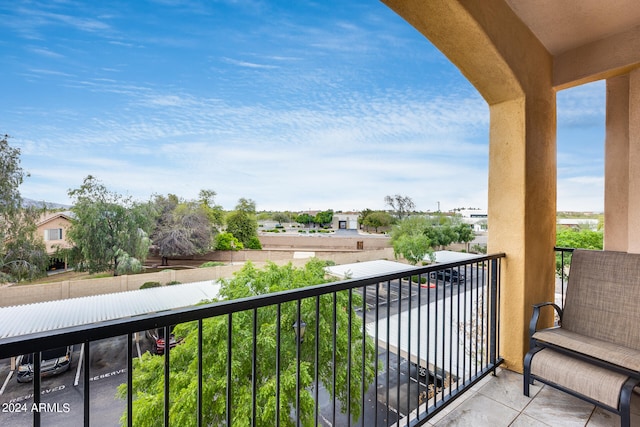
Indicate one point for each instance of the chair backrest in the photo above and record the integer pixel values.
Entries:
(603, 296)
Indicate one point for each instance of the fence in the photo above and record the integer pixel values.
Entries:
(29, 294)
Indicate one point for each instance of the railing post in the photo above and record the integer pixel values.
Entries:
(129, 380)
(37, 389)
(493, 310)
(167, 389)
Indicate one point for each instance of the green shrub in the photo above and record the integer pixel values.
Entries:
(227, 242)
(147, 285)
(211, 264)
(422, 279)
(173, 282)
(254, 243)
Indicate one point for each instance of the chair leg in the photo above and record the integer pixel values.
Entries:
(625, 402)
(527, 371)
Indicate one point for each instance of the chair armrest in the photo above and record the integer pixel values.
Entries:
(533, 324)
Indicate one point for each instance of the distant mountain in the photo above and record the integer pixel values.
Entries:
(42, 204)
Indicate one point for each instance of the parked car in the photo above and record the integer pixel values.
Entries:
(52, 362)
(156, 335)
(454, 277)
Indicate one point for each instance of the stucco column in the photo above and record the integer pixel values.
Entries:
(634, 162)
(622, 155)
(616, 165)
(522, 206)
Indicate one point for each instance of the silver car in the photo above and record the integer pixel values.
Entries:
(52, 362)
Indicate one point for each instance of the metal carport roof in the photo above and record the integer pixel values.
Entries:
(358, 270)
(50, 315)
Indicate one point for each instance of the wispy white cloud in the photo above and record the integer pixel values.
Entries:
(582, 106)
(248, 64)
(46, 52)
(40, 71)
(393, 146)
(581, 122)
(292, 109)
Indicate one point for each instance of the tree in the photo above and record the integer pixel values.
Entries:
(214, 212)
(402, 205)
(377, 219)
(22, 254)
(281, 217)
(11, 176)
(107, 229)
(243, 224)
(409, 239)
(246, 205)
(182, 229)
(305, 218)
(411, 225)
(441, 236)
(465, 234)
(584, 239)
(572, 238)
(227, 242)
(363, 216)
(325, 217)
(412, 247)
(148, 385)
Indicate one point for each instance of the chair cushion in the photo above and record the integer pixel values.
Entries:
(597, 383)
(619, 355)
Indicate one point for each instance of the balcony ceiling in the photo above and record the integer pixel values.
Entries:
(563, 25)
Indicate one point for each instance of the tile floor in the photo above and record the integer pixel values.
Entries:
(499, 402)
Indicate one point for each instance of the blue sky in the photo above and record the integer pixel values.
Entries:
(294, 104)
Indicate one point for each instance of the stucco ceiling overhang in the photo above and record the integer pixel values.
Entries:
(564, 25)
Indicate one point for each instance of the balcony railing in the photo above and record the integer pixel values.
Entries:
(418, 339)
(563, 263)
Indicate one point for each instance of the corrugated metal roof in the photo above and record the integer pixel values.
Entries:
(452, 256)
(367, 268)
(50, 315)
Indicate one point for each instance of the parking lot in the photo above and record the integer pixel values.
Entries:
(62, 395)
(62, 400)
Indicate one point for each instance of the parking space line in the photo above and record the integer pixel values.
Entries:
(77, 379)
(6, 381)
(10, 374)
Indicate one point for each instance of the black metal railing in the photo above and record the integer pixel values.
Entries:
(384, 350)
(563, 263)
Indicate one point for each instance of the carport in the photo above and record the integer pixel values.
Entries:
(359, 270)
(51, 315)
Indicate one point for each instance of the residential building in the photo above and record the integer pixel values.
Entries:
(53, 227)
